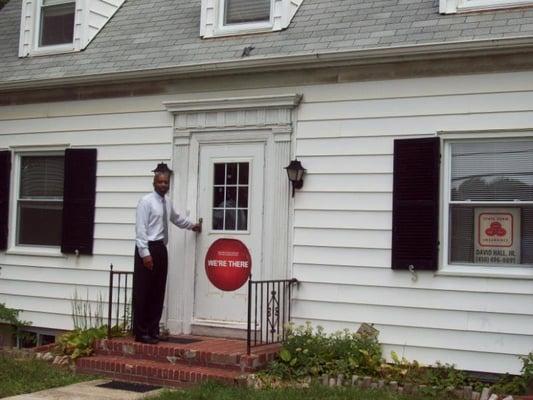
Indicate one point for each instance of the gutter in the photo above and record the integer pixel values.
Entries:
(418, 52)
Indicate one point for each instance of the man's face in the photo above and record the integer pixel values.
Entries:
(161, 183)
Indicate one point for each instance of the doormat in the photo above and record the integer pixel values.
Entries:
(182, 340)
(128, 386)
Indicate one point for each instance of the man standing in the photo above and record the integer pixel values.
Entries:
(154, 211)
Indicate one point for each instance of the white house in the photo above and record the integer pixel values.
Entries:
(433, 100)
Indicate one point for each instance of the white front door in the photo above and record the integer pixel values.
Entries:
(230, 202)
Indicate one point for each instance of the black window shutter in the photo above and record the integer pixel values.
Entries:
(415, 204)
(5, 175)
(79, 195)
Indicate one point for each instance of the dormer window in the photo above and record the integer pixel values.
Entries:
(246, 11)
(56, 22)
(457, 6)
(237, 17)
(61, 26)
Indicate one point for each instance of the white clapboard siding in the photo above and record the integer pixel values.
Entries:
(65, 276)
(125, 168)
(387, 278)
(368, 220)
(48, 319)
(114, 231)
(119, 200)
(416, 125)
(115, 214)
(131, 184)
(370, 239)
(87, 122)
(94, 262)
(412, 316)
(373, 183)
(369, 164)
(343, 220)
(343, 201)
(342, 256)
(420, 87)
(504, 303)
(156, 152)
(419, 106)
(114, 247)
(58, 291)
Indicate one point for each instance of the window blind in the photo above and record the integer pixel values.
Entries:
(240, 11)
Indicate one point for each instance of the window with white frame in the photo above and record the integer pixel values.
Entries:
(454, 6)
(233, 17)
(39, 199)
(489, 202)
(56, 22)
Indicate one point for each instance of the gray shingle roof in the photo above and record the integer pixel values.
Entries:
(165, 33)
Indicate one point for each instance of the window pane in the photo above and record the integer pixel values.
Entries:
(492, 171)
(218, 197)
(57, 24)
(242, 220)
(230, 220)
(243, 197)
(243, 173)
(220, 173)
(40, 223)
(231, 197)
(41, 177)
(218, 220)
(231, 173)
(239, 11)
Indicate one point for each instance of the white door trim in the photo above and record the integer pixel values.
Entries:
(267, 119)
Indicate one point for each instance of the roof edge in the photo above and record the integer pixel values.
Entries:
(416, 52)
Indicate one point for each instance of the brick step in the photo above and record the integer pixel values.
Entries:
(155, 372)
(208, 352)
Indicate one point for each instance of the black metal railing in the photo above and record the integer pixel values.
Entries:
(269, 311)
(119, 310)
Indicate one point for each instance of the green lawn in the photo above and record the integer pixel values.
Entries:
(18, 376)
(213, 391)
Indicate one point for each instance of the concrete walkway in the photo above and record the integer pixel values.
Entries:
(85, 391)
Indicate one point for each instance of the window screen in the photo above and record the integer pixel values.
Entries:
(241, 11)
(57, 22)
(491, 203)
(40, 201)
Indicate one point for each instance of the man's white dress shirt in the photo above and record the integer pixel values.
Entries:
(150, 225)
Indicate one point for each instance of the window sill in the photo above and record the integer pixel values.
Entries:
(36, 251)
(475, 271)
(48, 51)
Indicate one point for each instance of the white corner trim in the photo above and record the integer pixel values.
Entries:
(234, 103)
(455, 6)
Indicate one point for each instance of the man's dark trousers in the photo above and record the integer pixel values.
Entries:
(149, 290)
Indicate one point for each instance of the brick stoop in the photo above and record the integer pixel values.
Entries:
(173, 364)
(154, 372)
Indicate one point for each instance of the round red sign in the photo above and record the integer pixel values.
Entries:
(228, 264)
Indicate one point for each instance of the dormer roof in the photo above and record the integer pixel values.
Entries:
(160, 37)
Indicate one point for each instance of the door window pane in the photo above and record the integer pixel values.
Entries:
(40, 200)
(57, 23)
(230, 197)
(240, 11)
(491, 210)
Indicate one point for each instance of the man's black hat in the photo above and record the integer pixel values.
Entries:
(162, 168)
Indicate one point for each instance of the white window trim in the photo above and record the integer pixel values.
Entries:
(508, 272)
(457, 6)
(13, 247)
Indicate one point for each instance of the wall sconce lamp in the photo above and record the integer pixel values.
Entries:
(295, 171)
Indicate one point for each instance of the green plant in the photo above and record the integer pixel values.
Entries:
(309, 352)
(83, 315)
(522, 384)
(10, 317)
(80, 342)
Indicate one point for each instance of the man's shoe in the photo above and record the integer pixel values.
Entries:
(161, 338)
(146, 339)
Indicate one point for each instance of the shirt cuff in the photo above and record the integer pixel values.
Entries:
(143, 252)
